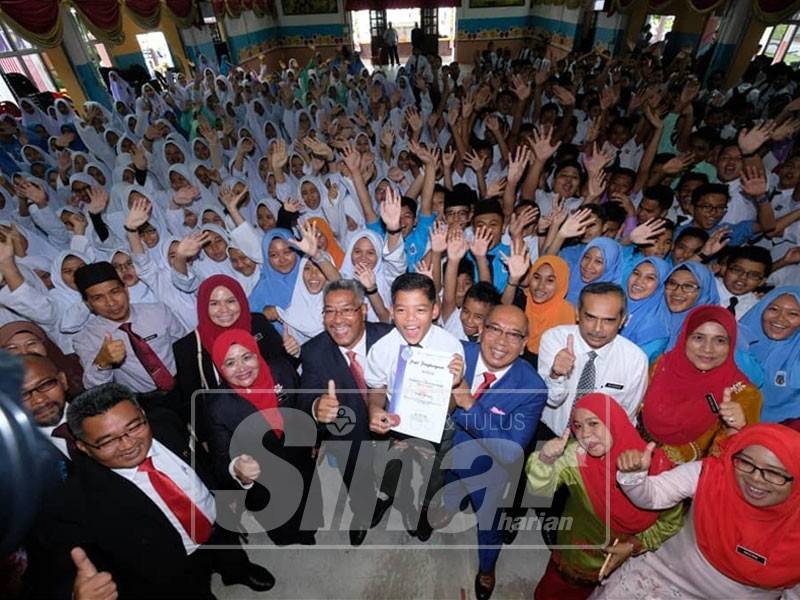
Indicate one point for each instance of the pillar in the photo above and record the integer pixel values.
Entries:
(76, 60)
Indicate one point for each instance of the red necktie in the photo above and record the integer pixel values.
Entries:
(358, 374)
(488, 380)
(63, 432)
(190, 517)
(157, 370)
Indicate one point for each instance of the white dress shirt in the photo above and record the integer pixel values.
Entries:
(453, 325)
(58, 442)
(481, 368)
(156, 323)
(184, 477)
(746, 301)
(741, 207)
(382, 357)
(360, 349)
(620, 367)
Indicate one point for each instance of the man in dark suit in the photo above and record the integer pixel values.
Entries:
(333, 375)
(137, 508)
(498, 406)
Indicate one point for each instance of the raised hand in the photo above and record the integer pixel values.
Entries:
(564, 361)
(279, 155)
(246, 469)
(326, 408)
(308, 244)
(138, 213)
(785, 130)
(716, 241)
(438, 237)
(678, 164)
(750, 140)
(413, 119)
(598, 160)
(387, 137)
(754, 182)
(425, 267)
(632, 461)
(647, 232)
(365, 276)
(564, 96)
(190, 246)
(517, 164)
(391, 208)
(519, 221)
(90, 584)
(98, 200)
(553, 449)
(457, 246)
(481, 242)
(576, 223)
(597, 184)
(521, 87)
(290, 344)
(34, 192)
(186, 195)
(76, 223)
(496, 187)
(474, 161)
(543, 149)
(231, 199)
(519, 262)
(352, 159)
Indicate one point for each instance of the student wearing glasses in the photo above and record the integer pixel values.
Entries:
(138, 508)
(741, 533)
(688, 285)
(744, 269)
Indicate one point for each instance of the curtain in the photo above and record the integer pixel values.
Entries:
(145, 13)
(704, 6)
(38, 21)
(103, 18)
(183, 12)
(772, 12)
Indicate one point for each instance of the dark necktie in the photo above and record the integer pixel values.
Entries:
(151, 362)
(191, 518)
(358, 374)
(63, 432)
(586, 381)
(488, 380)
(732, 305)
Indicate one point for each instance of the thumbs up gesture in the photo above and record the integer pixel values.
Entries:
(554, 448)
(112, 352)
(290, 344)
(246, 469)
(89, 584)
(564, 361)
(327, 407)
(632, 461)
(731, 412)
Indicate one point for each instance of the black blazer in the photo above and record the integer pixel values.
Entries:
(323, 360)
(119, 527)
(188, 378)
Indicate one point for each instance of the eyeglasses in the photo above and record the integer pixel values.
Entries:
(751, 275)
(45, 386)
(513, 336)
(686, 288)
(456, 213)
(710, 208)
(346, 312)
(135, 429)
(743, 465)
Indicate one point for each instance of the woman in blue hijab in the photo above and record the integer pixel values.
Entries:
(648, 317)
(688, 285)
(772, 332)
(601, 260)
(279, 272)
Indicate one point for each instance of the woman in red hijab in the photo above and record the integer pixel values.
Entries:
(697, 396)
(221, 305)
(742, 534)
(277, 474)
(587, 467)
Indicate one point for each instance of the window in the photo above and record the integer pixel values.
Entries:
(660, 26)
(19, 57)
(96, 50)
(213, 29)
(782, 42)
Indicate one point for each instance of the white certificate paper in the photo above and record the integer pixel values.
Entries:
(421, 393)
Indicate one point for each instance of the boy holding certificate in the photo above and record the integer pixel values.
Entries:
(411, 372)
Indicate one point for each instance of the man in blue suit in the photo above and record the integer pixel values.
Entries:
(498, 406)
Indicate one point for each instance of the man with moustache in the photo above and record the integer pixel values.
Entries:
(44, 396)
(333, 374)
(498, 406)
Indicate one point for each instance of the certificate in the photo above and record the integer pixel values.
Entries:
(421, 393)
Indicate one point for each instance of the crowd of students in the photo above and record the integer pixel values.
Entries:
(606, 247)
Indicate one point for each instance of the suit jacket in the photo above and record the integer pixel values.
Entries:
(120, 528)
(322, 360)
(503, 424)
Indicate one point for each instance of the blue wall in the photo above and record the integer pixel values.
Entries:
(92, 84)
(123, 61)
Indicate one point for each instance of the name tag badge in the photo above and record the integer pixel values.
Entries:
(780, 378)
(151, 337)
(615, 386)
(762, 560)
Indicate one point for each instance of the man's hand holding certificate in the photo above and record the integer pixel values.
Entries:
(421, 395)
